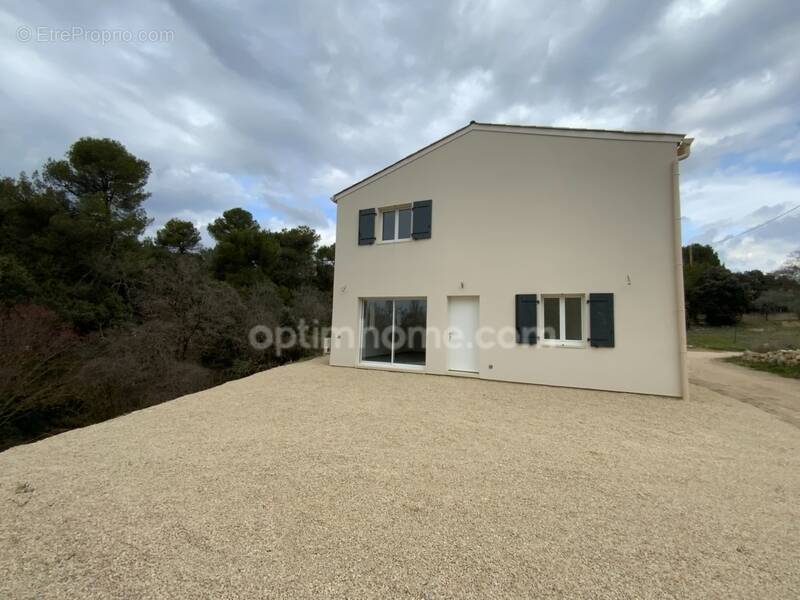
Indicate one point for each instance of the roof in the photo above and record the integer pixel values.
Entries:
(609, 134)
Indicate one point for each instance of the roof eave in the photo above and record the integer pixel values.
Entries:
(609, 134)
(405, 160)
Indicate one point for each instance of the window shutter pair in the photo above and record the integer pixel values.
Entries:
(420, 222)
(601, 319)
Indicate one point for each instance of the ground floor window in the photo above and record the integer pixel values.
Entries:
(563, 318)
(393, 330)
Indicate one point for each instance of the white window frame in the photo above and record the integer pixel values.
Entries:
(562, 315)
(396, 210)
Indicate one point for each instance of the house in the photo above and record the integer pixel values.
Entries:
(529, 254)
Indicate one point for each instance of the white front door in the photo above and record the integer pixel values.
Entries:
(462, 342)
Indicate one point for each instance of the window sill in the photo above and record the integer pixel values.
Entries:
(563, 344)
(401, 241)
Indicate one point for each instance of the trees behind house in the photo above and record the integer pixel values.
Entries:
(96, 321)
(790, 271)
(781, 293)
(245, 254)
(718, 296)
(777, 301)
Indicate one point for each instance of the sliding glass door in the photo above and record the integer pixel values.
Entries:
(393, 331)
(376, 345)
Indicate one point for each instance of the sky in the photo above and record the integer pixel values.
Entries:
(275, 106)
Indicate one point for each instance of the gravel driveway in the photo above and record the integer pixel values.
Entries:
(777, 395)
(314, 481)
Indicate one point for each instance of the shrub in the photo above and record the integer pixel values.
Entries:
(38, 360)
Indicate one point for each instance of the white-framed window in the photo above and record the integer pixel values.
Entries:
(395, 223)
(563, 320)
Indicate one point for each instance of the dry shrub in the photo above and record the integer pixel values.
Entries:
(136, 368)
(38, 362)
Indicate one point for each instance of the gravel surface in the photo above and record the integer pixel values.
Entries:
(777, 395)
(315, 481)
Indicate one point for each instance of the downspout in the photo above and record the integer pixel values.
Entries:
(684, 148)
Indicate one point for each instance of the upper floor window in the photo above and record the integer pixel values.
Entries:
(396, 224)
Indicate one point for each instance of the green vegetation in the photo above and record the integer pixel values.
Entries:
(753, 332)
(717, 297)
(96, 320)
(792, 371)
(718, 302)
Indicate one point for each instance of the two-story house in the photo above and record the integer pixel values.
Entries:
(527, 254)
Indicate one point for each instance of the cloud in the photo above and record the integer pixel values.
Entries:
(277, 106)
(727, 204)
(751, 252)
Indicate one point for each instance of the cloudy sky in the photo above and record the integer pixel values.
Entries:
(275, 106)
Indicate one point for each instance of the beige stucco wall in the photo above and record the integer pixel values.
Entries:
(521, 213)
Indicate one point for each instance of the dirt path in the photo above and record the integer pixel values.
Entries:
(779, 396)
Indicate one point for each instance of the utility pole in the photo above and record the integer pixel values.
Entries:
(691, 257)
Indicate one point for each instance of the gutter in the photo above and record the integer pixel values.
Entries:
(683, 151)
(685, 148)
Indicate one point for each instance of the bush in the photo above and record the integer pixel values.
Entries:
(129, 369)
(38, 361)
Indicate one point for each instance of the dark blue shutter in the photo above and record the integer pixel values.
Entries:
(421, 223)
(601, 320)
(366, 226)
(526, 318)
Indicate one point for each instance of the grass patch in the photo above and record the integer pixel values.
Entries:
(752, 333)
(792, 371)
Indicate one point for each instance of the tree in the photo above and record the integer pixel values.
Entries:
(697, 259)
(101, 167)
(96, 321)
(700, 254)
(16, 284)
(790, 271)
(719, 296)
(181, 295)
(231, 351)
(244, 254)
(294, 266)
(106, 186)
(27, 210)
(232, 221)
(324, 259)
(178, 236)
(793, 302)
(774, 301)
(82, 260)
(84, 221)
(755, 283)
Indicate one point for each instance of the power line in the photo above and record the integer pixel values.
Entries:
(760, 225)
